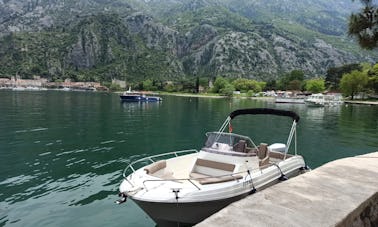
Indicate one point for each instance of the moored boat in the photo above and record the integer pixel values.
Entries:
(324, 100)
(185, 187)
(295, 100)
(135, 96)
(290, 97)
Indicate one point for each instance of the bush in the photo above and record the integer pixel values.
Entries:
(170, 88)
(250, 93)
(228, 90)
(115, 87)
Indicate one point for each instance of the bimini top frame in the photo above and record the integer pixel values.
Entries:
(258, 111)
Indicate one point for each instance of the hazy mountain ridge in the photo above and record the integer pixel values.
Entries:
(133, 40)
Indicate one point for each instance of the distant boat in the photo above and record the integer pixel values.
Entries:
(294, 99)
(19, 89)
(29, 88)
(291, 97)
(32, 88)
(324, 100)
(136, 96)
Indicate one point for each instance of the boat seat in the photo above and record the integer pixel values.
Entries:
(263, 154)
(222, 166)
(207, 171)
(240, 146)
(251, 150)
(156, 166)
(279, 155)
(158, 169)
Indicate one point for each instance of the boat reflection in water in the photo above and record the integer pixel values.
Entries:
(134, 106)
(185, 187)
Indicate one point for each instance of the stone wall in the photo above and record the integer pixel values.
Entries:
(366, 215)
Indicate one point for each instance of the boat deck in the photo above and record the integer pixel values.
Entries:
(195, 168)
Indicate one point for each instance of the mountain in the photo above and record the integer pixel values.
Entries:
(134, 40)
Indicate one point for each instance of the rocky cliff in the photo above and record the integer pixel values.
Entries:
(135, 40)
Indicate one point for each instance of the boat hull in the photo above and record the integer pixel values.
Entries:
(314, 104)
(190, 213)
(137, 98)
(184, 214)
(290, 100)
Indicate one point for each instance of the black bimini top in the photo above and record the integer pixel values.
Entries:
(256, 111)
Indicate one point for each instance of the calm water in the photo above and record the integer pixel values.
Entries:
(62, 153)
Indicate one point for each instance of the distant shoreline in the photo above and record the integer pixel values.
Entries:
(193, 95)
(214, 96)
(183, 94)
(206, 95)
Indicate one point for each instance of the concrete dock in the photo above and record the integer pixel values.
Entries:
(340, 193)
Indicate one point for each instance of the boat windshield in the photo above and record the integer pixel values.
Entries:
(226, 138)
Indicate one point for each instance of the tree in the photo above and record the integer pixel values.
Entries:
(245, 85)
(296, 75)
(294, 85)
(354, 82)
(228, 90)
(114, 87)
(364, 25)
(373, 78)
(219, 84)
(292, 80)
(197, 85)
(188, 85)
(169, 87)
(250, 93)
(373, 84)
(315, 85)
(204, 83)
(241, 84)
(148, 85)
(271, 85)
(334, 74)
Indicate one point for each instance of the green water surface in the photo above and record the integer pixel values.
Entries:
(62, 153)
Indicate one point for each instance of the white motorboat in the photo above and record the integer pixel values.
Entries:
(324, 100)
(185, 187)
(295, 100)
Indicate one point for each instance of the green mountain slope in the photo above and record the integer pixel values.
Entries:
(98, 47)
(169, 39)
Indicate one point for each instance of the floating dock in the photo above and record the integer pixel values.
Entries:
(371, 103)
(340, 193)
